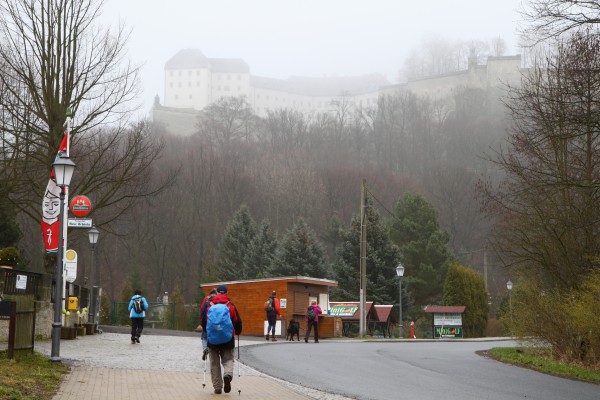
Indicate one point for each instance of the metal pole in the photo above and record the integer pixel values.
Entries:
(363, 258)
(92, 302)
(58, 288)
(400, 308)
(510, 303)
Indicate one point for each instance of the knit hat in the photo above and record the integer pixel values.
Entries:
(222, 289)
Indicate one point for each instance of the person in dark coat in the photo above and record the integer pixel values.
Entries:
(272, 313)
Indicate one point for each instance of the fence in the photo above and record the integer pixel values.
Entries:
(22, 288)
(21, 283)
(159, 315)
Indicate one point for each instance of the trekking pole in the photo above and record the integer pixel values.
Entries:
(204, 383)
(239, 390)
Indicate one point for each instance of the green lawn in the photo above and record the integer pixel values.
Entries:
(539, 359)
(29, 377)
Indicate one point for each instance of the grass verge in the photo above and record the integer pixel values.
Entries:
(540, 359)
(30, 376)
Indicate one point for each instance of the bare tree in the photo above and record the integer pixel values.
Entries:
(551, 18)
(55, 60)
(548, 204)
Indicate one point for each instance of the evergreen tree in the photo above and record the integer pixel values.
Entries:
(235, 245)
(261, 252)
(10, 232)
(465, 287)
(122, 313)
(423, 246)
(382, 258)
(300, 253)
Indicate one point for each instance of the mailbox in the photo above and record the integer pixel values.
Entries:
(72, 304)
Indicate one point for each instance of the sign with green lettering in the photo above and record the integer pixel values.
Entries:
(343, 310)
(447, 332)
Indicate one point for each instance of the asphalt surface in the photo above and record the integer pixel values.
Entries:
(419, 369)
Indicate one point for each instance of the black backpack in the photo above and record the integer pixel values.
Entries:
(138, 305)
(269, 307)
(310, 313)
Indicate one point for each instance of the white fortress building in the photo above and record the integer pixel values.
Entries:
(194, 81)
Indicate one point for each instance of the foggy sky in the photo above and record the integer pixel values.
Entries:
(280, 38)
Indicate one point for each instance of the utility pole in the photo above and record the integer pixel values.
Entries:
(363, 257)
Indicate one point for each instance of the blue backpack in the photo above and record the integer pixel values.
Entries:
(219, 327)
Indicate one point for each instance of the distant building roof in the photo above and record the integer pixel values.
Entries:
(445, 309)
(194, 58)
(383, 311)
(236, 65)
(187, 59)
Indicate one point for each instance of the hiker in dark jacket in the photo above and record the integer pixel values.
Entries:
(137, 318)
(272, 313)
(310, 323)
(222, 353)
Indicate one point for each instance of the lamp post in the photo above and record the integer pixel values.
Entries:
(63, 172)
(400, 273)
(509, 286)
(93, 236)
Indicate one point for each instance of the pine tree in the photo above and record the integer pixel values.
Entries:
(382, 258)
(261, 252)
(465, 287)
(235, 245)
(300, 253)
(423, 246)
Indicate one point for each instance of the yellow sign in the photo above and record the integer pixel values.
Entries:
(72, 305)
(71, 255)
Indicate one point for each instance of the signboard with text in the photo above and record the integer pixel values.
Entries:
(343, 310)
(449, 332)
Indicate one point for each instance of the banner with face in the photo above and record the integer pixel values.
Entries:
(51, 207)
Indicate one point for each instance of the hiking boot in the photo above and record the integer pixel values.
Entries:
(217, 391)
(305, 340)
(204, 354)
(273, 339)
(133, 340)
(267, 337)
(137, 339)
(227, 380)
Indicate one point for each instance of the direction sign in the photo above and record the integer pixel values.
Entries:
(79, 222)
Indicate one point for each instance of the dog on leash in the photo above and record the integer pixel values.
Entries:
(293, 329)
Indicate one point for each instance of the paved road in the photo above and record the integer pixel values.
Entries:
(109, 367)
(410, 370)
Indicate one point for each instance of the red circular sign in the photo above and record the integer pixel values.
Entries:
(80, 206)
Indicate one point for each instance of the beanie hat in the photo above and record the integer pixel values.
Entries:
(222, 289)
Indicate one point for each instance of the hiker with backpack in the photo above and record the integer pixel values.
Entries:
(137, 311)
(203, 308)
(273, 310)
(221, 321)
(312, 320)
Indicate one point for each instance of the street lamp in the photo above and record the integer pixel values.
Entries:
(63, 172)
(400, 273)
(509, 286)
(93, 236)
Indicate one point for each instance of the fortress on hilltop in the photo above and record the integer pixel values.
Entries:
(194, 81)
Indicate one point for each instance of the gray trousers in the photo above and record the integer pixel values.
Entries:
(218, 357)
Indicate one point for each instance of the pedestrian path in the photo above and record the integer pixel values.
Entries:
(85, 383)
(109, 367)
